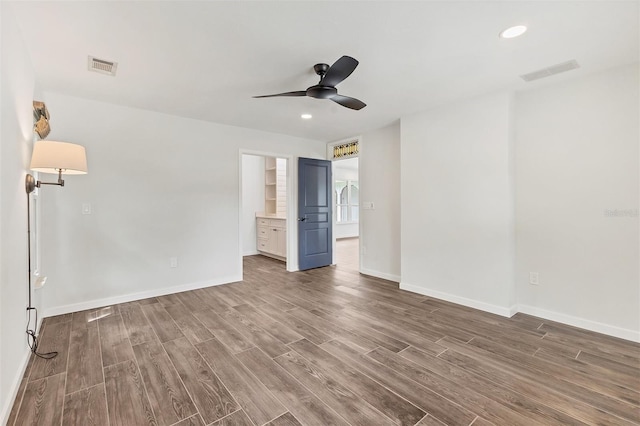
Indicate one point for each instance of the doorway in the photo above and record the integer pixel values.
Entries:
(346, 224)
(265, 198)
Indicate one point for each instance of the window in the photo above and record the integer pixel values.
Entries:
(347, 198)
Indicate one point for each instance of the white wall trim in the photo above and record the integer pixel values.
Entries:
(97, 303)
(476, 304)
(598, 327)
(587, 324)
(13, 390)
(250, 253)
(17, 379)
(378, 274)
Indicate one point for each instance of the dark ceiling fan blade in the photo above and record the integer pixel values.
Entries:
(348, 102)
(297, 93)
(340, 70)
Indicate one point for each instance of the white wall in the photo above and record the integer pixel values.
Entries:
(16, 136)
(252, 200)
(160, 186)
(577, 157)
(458, 226)
(379, 168)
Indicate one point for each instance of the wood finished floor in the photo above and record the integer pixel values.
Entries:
(322, 347)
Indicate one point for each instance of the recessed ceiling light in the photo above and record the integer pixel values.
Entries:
(512, 32)
(306, 116)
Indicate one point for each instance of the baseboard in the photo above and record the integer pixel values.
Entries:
(250, 253)
(15, 384)
(378, 274)
(471, 303)
(598, 327)
(97, 303)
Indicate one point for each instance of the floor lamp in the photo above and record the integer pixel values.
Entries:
(48, 157)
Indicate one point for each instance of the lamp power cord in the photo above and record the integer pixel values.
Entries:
(32, 338)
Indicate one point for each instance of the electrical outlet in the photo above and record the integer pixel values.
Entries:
(533, 278)
(173, 262)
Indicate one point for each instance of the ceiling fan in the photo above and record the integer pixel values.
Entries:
(330, 76)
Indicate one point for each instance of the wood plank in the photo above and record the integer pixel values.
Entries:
(534, 384)
(255, 334)
(429, 420)
(85, 367)
(147, 301)
(350, 406)
(419, 337)
(224, 331)
(239, 418)
(301, 328)
(518, 402)
(114, 341)
(137, 325)
(211, 397)
(57, 319)
(127, 401)
(363, 330)
(18, 401)
(191, 421)
(302, 403)
(227, 296)
(431, 402)
(169, 299)
(333, 330)
(286, 419)
(272, 325)
(615, 384)
(90, 317)
(55, 338)
(469, 399)
(162, 323)
(188, 324)
(207, 295)
(276, 301)
(599, 342)
(534, 369)
(43, 398)
(632, 371)
(193, 301)
(396, 408)
(87, 407)
(169, 399)
(254, 398)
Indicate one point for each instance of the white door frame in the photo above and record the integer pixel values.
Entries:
(330, 146)
(292, 202)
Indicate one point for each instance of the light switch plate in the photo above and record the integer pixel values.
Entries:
(86, 208)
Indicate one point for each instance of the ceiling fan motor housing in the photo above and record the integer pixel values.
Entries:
(321, 92)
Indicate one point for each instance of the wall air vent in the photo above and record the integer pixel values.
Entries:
(549, 71)
(102, 66)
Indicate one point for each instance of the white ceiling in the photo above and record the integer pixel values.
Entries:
(206, 59)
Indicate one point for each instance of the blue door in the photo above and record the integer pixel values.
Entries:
(314, 213)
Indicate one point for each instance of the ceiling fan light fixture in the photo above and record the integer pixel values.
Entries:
(306, 116)
(514, 31)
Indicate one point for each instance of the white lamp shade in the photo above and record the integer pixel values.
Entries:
(50, 157)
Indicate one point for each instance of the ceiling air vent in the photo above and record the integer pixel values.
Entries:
(549, 71)
(102, 66)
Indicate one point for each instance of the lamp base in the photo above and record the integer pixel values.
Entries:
(29, 183)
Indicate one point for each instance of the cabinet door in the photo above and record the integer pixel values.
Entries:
(282, 242)
(272, 244)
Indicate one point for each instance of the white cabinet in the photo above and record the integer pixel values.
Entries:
(272, 237)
